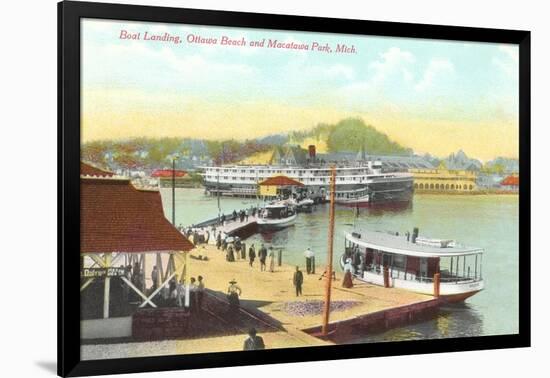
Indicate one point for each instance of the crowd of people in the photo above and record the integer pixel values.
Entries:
(240, 216)
(207, 234)
(177, 293)
(235, 249)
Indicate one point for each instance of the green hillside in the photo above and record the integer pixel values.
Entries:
(352, 134)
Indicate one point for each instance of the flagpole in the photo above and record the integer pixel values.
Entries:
(174, 191)
(328, 272)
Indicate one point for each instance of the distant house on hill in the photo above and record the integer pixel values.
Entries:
(277, 156)
(289, 156)
(510, 183)
(295, 155)
(338, 157)
(503, 165)
(461, 162)
(164, 177)
(489, 181)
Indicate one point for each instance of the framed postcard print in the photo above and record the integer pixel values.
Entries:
(242, 188)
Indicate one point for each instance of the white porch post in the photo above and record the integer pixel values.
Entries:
(144, 271)
(107, 287)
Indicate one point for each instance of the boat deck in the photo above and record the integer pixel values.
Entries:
(398, 244)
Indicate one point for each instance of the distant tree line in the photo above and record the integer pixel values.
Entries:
(152, 153)
(348, 135)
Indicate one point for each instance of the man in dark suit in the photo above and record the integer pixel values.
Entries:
(253, 342)
(262, 254)
(298, 280)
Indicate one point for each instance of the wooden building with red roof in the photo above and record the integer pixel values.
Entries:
(116, 217)
(277, 185)
(180, 178)
(168, 173)
(510, 181)
(122, 231)
(89, 170)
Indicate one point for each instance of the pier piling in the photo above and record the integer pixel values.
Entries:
(437, 281)
(386, 277)
(326, 312)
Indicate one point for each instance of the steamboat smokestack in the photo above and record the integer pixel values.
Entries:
(312, 152)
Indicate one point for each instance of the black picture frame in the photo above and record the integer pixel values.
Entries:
(69, 15)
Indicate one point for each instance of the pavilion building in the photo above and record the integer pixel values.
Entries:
(123, 233)
(278, 186)
(444, 180)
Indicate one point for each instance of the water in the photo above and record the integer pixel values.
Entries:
(489, 222)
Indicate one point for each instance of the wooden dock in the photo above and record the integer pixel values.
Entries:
(272, 294)
(268, 297)
(231, 227)
(237, 228)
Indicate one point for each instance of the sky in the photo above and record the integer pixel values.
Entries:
(432, 96)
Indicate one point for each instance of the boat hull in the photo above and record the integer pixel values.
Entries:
(275, 224)
(456, 298)
(403, 195)
(452, 292)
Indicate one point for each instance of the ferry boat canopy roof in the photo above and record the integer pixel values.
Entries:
(116, 217)
(399, 245)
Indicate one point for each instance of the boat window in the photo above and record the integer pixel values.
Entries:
(460, 268)
(386, 259)
(399, 261)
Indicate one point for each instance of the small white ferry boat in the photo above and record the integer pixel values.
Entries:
(277, 215)
(353, 197)
(305, 205)
(413, 261)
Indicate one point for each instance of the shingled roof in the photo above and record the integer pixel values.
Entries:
(86, 169)
(168, 173)
(281, 181)
(116, 217)
(510, 181)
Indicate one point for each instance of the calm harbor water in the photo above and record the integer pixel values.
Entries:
(487, 221)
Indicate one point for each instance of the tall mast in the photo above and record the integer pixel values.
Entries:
(328, 274)
(174, 191)
(218, 181)
(218, 193)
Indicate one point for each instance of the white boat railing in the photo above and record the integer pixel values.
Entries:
(408, 276)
